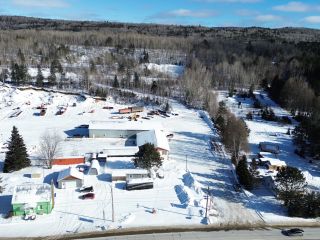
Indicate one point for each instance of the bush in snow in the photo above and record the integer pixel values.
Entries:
(244, 175)
(291, 184)
(16, 157)
(306, 206)
(147, 157)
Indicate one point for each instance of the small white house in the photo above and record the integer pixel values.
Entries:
(94, 168)
(157, 138)
(70, 178)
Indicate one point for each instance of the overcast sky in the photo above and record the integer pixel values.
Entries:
(212, 13)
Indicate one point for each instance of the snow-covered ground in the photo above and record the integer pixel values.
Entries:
(168, 69)
(261, 198)
(179, 198)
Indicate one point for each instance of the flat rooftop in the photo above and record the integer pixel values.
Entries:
(31, 194)
(125, 125)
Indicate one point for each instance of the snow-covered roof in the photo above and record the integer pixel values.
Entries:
(31, 194)
(155, 137)
(125, 125)
(124, 172)
(70, 172)
(95, 164)
(119, 151)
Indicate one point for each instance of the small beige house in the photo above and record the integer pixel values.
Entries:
(70, 178)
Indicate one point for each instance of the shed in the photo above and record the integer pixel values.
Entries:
(269, 147)
(70, 178)
(94, 168)
(124, 110)
(136, 109)
(31, 198)
(126, 174)
(68, 160)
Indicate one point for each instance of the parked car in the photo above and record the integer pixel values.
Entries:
(86, 189)
(29, 217)
(293, 232)
(87, 196)
(83, 126)
(9, 214)
(170, 135)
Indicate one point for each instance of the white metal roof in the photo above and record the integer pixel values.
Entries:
(31, 194)
(119, 151)
(155, 137)
(125, 125)
(69, 172)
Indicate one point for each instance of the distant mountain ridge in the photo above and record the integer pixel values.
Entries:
(287, 33)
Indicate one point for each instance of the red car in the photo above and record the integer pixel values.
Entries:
(87, 196)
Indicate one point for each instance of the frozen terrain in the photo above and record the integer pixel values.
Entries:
(179, 198)
(262, 199)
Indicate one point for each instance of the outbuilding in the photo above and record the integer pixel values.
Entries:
(269, 147)
(32, 199)
(70, 178)
(68, 160)
(157, 138)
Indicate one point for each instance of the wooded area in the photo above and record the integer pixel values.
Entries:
(285, 62)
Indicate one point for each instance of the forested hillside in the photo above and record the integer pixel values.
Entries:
(104, 58)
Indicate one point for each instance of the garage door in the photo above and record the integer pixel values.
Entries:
(69, 184)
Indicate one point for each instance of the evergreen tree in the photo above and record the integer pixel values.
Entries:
(14, 68)
(115, 82)
(21, 56)
(136, 80)
(16, 157)
(245, 177)
(52, 79)
(154, 87)
(147, 157)
(290, 184)
(1, 186)
(40, 77)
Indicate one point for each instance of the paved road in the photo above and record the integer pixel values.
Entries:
(270, 234)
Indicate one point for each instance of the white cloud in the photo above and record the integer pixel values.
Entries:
(312, 19)
(267, 18)
(229, 1)
(41, 3)
(185, 13)
(293, 7)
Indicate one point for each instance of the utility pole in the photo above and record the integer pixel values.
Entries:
(207, 202)
(186, 163)
(112, 203)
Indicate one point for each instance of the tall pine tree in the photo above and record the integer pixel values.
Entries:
(16, 157)
(40, 77)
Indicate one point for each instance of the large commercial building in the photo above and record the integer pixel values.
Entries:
(120, 129)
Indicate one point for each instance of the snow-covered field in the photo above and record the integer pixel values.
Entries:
(179, 198)
(262, 199)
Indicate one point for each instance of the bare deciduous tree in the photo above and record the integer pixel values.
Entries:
(49, 147)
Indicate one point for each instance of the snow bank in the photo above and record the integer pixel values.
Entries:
(193, 184)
